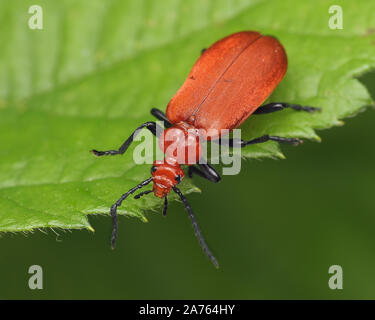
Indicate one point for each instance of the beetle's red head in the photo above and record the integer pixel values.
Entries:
(165, 176)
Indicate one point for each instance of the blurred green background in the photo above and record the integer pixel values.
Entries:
(267, 244)
(275, 228)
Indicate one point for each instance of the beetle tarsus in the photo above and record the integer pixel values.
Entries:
(104, 153)
(292, 141)
(236, 143)
(309, 109)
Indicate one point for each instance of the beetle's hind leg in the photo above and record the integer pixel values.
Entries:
(239, 143)
(268, 108)
(277, 106)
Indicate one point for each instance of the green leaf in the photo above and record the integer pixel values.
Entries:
(93, 73)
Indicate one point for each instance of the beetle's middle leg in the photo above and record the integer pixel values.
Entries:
(239, 143)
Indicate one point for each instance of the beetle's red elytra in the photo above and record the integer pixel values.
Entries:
(228, 83)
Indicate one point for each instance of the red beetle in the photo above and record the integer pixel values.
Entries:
(229, 82)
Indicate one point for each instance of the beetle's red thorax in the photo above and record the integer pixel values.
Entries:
(181, 143)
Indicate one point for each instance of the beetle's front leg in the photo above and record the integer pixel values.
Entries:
(151, 125)
(160, 115)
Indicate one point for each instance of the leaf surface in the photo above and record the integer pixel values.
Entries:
(90, 77)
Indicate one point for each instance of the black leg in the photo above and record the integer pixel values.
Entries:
(197, 231)
(160, 115)
(277, 106)
(149, 125)
(205, 171)
(165, 206)
(235, 143)
(118, 203)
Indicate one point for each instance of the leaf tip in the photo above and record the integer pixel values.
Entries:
(281, 155)
(90, 229)
(318, 139)
(339, 123)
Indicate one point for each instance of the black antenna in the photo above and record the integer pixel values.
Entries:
(142, 194)
(196, 228)
(165, 206)
(118, 203)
